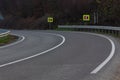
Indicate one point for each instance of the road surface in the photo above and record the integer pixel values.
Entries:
(80, 54)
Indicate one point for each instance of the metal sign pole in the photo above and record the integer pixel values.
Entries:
(95, 18)
(50, 20)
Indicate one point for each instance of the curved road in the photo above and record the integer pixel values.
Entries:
(80, 54)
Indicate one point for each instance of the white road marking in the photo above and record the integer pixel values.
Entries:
(96, 70)
(14, 43)
(108, 58)
(13, 62)
(93, 72)
(4, 34)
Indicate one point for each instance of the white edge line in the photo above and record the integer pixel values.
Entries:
(4, 34)
(96, 70)
(108, 58)
(14, 43)
(13, 62)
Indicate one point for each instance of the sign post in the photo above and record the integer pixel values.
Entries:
(50, 20)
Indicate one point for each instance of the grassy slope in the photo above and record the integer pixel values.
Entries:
(7, 39)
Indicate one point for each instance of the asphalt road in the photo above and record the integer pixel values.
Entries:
(80, 54)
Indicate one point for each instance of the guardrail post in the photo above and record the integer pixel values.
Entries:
(118, 33)
(103, 31)
(92, 30)
(106, 31)
(114, 32)
(110, 31)
(100, 30)
(81, 29)
(96, 30)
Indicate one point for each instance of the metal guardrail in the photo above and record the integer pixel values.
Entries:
(104, 29)
(4, 33)
(90, 27)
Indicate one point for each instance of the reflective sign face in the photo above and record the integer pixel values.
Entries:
(50, 19)
(86, 17)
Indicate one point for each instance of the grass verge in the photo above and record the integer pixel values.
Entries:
(7, 39)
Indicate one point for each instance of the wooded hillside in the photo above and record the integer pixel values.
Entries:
(32, 14)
